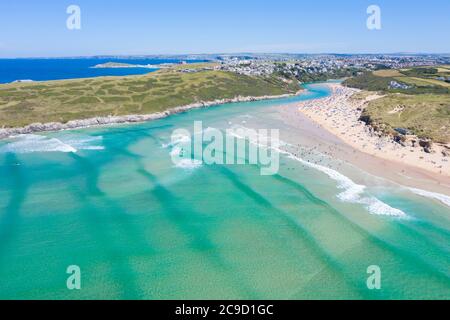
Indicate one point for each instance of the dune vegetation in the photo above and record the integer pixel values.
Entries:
(417, 99)
(427, 116)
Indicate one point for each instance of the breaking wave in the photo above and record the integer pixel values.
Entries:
(432, 195)
(177, 148)
(29, 143)
(352, 192)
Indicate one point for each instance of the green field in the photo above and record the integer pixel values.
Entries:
(421, 80)
(61, 101)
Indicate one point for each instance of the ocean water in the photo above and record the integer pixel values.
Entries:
(70, 68)
(111, 201)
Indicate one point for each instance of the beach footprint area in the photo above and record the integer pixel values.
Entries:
(111, 201)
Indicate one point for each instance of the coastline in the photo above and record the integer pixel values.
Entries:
(334, 128)
(117, 65)
(6, 133)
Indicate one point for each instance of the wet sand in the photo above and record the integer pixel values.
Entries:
(315, 133)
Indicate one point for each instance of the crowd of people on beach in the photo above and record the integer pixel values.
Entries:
(340, 114)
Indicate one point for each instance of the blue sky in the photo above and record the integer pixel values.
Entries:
(30, 28)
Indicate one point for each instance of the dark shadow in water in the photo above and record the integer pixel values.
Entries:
(11, 217)
(123, 273)
(409, 258)
(200, 241)
(137, 131)
(128, 136)
(370, 239)
(315, 248)
(119, 213)
(175, 212)
(91, 173)
(176, 215)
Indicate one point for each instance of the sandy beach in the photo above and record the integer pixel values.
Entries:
(334, 129)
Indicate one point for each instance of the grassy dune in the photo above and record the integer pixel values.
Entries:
(61, 101)
(427, 116)
(424, 108)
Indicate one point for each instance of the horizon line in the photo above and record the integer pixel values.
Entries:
(223, 53)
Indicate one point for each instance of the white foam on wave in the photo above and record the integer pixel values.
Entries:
(432, 195)
(176, 146)
(84, 142)
(189, 164)
(177, 139)
(29, 143)
(35, 143)
(352, 192)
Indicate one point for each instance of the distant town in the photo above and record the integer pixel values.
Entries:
(315, 67)
(329, 63)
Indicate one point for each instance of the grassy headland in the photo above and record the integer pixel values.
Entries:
(60, 101)
(415, 99)
(427, 115)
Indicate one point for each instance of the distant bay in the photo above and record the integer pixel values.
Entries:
(43, 69)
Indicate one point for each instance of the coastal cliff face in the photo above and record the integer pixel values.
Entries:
(402, 136)
(109, 120)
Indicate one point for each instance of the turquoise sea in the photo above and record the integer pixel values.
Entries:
(110, 200)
